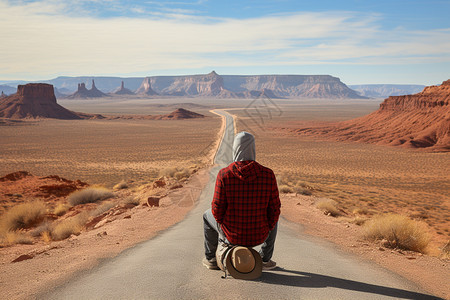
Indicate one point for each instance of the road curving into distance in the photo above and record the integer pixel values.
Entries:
(169, 265)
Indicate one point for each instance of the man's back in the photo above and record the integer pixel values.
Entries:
(246, 202)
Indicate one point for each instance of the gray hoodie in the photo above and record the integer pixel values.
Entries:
(244, 147)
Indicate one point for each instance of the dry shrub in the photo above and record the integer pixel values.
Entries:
(23, 216)
(89, 195)
(132, 200)
(67, 227)
(44, 227)
(101, 209)
(285, 189)
(445, 251)
(61, 209)
(360, 211)
(302, 190)
(121, 185)
(328, 207)
(358, 220)
(16, 237)
(399, 231)
(168, 172)
(182, 173)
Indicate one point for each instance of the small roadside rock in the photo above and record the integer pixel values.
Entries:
(23, 257)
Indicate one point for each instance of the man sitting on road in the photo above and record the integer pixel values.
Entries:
(246, 205)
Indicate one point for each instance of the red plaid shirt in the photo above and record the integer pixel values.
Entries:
(246, 202)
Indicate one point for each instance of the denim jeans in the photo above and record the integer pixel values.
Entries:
(213, 233)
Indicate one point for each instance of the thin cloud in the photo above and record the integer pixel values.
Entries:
(42, 38)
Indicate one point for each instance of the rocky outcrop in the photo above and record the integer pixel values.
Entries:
(146, 88)
(83, 92)
(179, 114)
(413, 121)
(2, 95)
(34, 100)
(122, 90)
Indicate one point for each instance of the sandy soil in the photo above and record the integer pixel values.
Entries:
(49, 265)
(106, 151)
(431, 273)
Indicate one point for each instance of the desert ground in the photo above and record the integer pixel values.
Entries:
(363, 179)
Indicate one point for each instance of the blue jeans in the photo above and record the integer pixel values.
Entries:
(213, 233)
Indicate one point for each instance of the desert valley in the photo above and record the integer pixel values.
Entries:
(341, 160)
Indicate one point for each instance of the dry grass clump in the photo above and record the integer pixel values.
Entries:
(328, 207)
(121, 185)
(61, 209)
(168, 172)
(285, 189)
(445, 251)
(23, 216)
(177, 173)
(132, 200)
(67, 227)
(399, 231)
(16, 237)
(89, 195)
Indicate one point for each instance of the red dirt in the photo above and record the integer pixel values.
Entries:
(22, 186)
(413, 121)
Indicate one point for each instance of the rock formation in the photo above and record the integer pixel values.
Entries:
(179, 114)
(34, 100)
(146, 88)
(414, 121)
(2, 95)
(83, 92)
(233, 86)
(122, 90)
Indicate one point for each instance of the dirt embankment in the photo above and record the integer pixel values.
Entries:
(419, 121)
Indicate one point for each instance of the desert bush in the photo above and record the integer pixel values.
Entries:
(89, 195)
(358, 220)
(298, 189)
(132, 200)
(360, 211)
(399, 231)
(101, 209)
(23, 216)
(61, 209)
(328, 207)
(182, 173)
(121, 185)
(67, 227)
(38, 231)
(168, 172)
(445, 251)
(16, 237)
(285, 189)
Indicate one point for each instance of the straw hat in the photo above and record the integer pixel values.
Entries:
(241, 263)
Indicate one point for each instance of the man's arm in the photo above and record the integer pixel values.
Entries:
(219, 203)
(273, 210)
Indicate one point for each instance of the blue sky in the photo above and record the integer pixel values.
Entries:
(403, 41)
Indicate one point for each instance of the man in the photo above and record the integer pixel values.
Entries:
(246, 205)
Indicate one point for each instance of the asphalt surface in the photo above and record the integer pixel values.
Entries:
(169, 266)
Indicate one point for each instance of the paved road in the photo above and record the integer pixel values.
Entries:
(169, 267)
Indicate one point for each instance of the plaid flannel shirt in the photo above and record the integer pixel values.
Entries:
(246, 202)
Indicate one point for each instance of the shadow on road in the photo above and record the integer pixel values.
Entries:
(305, 279)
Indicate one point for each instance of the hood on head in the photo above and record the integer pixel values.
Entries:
(244, 147)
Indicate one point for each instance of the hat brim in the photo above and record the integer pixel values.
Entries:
(254, 274)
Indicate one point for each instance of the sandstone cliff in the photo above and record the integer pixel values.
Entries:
(414, 121)
(34, 100)
(146, 88)
(234, 86)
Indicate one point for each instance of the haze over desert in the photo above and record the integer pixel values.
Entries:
(116, 118)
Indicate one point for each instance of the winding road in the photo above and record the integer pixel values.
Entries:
(169, 265)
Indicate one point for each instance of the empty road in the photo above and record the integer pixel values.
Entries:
(169, 266)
